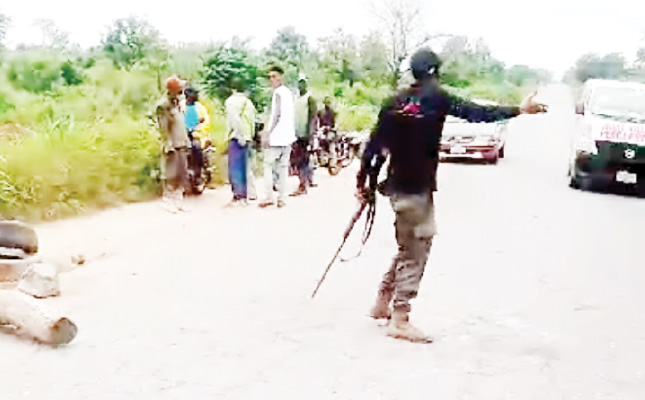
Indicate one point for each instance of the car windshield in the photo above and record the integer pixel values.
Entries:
(625, 103)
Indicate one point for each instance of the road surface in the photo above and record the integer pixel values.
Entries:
(533, 291)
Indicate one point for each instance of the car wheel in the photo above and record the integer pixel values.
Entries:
(573, 182)
(640, 189)
(501, 152)
(586, 183)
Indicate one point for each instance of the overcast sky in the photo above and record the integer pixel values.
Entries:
(547, 33)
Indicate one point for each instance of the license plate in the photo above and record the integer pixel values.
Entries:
(626, 177)
(458, 150)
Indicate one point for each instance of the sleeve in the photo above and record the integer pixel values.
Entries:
(276, 110)
(313, 114)
(162, 120)
(203, 115)
(233, 123)
(373, 155)
(249, 120)
(472, 112)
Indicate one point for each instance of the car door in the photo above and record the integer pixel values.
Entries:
(581, 125)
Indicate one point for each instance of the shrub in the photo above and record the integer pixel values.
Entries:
(35, 76)
(70, 167)
(70, 74)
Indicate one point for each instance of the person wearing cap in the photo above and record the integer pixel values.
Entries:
(305, 128)
(277, 140)
(408, 132)
(172, 127)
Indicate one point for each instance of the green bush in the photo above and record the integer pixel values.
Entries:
(223, 65)
(5, 104)
(36, 76)
(71, 74)
(355, 117)
(70, 167)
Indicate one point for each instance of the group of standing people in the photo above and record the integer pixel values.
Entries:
(292, 125)
(293, 122)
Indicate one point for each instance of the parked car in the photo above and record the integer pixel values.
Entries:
(481, 141)
(608, 146)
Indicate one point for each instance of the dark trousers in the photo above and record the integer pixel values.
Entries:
(237, 159)
(302, 161)
(197, 155)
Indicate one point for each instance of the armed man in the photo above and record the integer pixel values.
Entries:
(409, 132)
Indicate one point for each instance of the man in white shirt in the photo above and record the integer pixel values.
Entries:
(278, 139)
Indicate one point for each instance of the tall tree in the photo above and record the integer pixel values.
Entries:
(5, 21)
(228, 61)
(340, 54)
(132, 40)
(52, 36)
(401, 23)
(640, 56)
(613, 66)
(374, 56)
(288, 47)
(590, 66)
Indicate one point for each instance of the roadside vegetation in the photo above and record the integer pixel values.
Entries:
(77, 130)
(613, 66)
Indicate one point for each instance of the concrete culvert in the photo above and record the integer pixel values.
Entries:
(16, 235)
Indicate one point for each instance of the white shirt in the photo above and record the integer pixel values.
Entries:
(284, 133)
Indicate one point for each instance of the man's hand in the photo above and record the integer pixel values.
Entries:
(264, 139)
(530, 106)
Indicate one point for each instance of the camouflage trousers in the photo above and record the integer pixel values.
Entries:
(415, 227)
(175, 171)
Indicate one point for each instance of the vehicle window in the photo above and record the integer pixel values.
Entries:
(620, 102)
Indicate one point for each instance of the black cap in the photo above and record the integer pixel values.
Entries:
(191, 91)
(424, 62)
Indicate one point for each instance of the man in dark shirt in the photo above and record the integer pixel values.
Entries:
(409, 132)
(327, 115)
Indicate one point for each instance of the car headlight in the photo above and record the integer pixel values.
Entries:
(587, 145)
(486, 139)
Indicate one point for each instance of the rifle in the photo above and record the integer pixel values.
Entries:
(348, 231)
(369, 200)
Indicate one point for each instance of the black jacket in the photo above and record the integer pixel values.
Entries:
(409, 131)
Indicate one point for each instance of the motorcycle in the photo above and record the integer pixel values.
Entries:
(200, 165)
(331, 151)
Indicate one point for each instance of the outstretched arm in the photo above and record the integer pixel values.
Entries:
(474, 112)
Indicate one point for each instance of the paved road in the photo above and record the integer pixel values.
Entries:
(533, 291)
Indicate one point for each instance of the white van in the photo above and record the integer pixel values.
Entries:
(608, 147)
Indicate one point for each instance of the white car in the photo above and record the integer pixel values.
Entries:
(481, 140)
(608, 146)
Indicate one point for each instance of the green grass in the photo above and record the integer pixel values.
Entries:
(76, 166)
